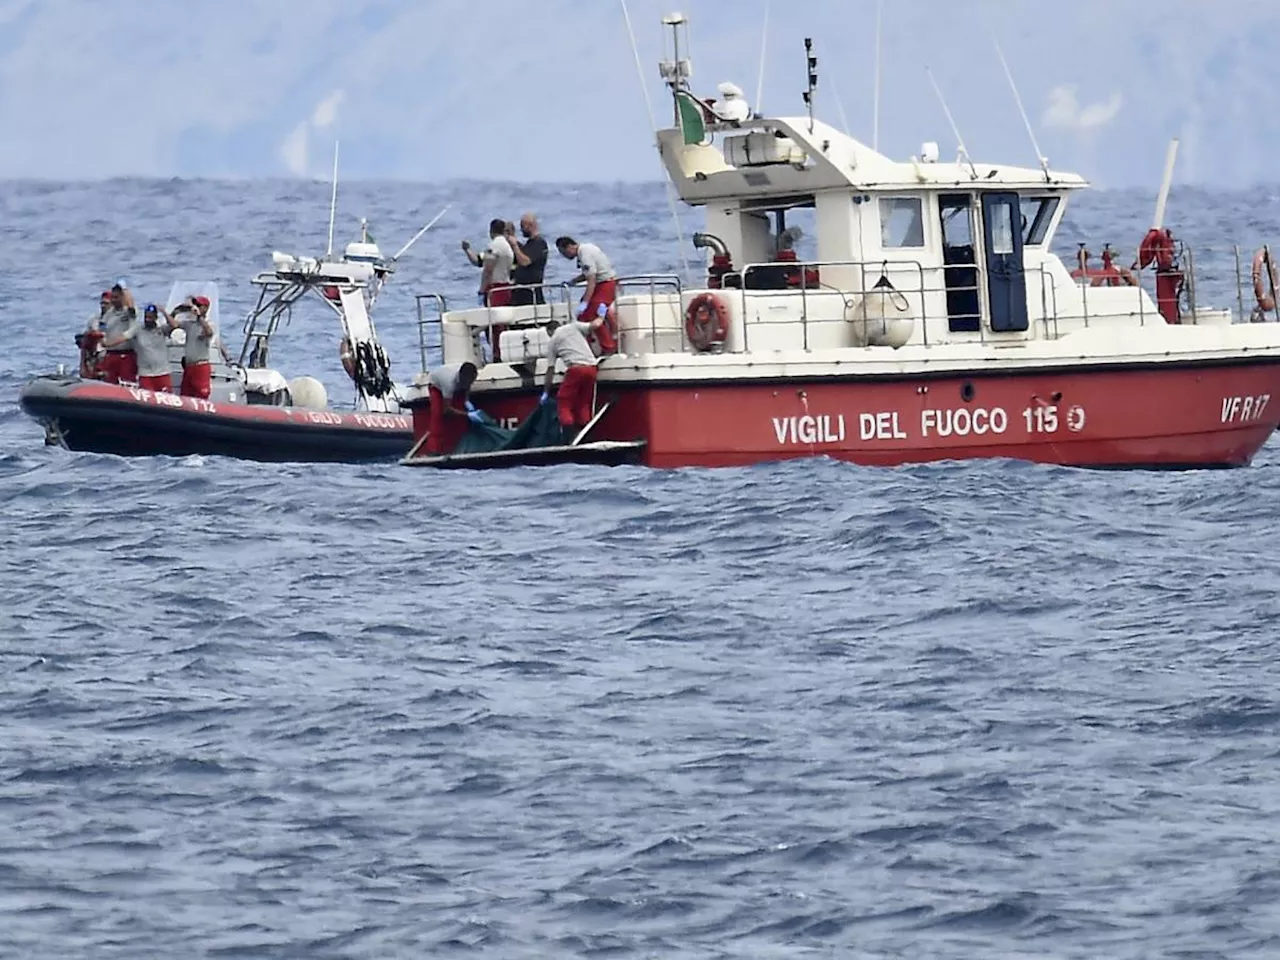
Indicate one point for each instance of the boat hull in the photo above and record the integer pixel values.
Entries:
(1155, 416)
(97, 417)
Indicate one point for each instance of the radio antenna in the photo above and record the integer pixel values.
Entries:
(812, 64)
(333, 200)
(875, 115)
(964, 151)
(764, 40)
(1026, 121)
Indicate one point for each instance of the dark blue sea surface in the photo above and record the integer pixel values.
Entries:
(962, 710)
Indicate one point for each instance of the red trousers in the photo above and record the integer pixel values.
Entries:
(162, 383)
(497, 296)
(604, 294)
(118, 365)
(577, 395)
(445, 431)
(197, 380)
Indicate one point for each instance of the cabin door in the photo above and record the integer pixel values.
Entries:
(1006, 275)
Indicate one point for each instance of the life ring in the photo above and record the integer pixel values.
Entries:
(706, 321)
(1260, 292)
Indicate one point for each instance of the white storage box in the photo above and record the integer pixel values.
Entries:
(758, 149)
(526, 345)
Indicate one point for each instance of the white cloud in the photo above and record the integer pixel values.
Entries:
(1064, 110)
(294, 151)
(326, 111)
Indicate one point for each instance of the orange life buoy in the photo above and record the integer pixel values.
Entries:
(1260, 290)
(706, 321)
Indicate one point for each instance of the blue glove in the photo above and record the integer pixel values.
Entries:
(475, 416)
(544, 398)
(470, 406)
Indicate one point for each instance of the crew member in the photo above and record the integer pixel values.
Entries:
(531, 264)
(197, 372)
(568, 342)
(602, 288)
(495, 264)
(98, 321)
(448, 387)
(150, 342)
(1158, 247)
(119, 363)
(90, 340)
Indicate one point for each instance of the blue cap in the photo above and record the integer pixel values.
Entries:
(149, 308)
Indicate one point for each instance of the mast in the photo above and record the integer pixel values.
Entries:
(812, 64)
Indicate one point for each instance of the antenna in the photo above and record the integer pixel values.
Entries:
(333, 200)
(764, 39)
(964, 152)
(674, 73)
(1040, 157)
(813, 78)
(399, 253)
(875, 114)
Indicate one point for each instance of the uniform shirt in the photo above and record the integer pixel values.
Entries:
(116, 324)
(445, 379)
(151, 344)
(569, 343)
(592, 261)
(503, 257)
(196, 349)
(535, 248)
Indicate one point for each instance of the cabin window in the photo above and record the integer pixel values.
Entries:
(901, 222)
(1038, 214)
(1001, 216)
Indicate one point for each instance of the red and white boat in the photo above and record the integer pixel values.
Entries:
(932, 323)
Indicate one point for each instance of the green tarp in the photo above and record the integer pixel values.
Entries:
(540, 429)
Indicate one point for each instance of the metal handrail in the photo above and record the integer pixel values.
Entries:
(442, 306)
(884, 267)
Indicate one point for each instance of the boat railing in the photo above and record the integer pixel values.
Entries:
(1224, 272)
(905, 277)
(653, 284)
(562, 295)
(441, 308)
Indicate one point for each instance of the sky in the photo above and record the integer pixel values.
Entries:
(548, 90)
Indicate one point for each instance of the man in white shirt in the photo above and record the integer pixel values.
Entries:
(597, 272)
(495, 264)
(574, 402)
(150, 342)
(448, 386)
(119, 364)
(201, 333)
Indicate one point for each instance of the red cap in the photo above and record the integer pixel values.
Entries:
(200, 301)
(106, 295)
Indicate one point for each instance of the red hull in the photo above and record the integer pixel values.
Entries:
(1170, 416)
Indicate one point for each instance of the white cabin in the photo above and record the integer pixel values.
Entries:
(911, 256)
